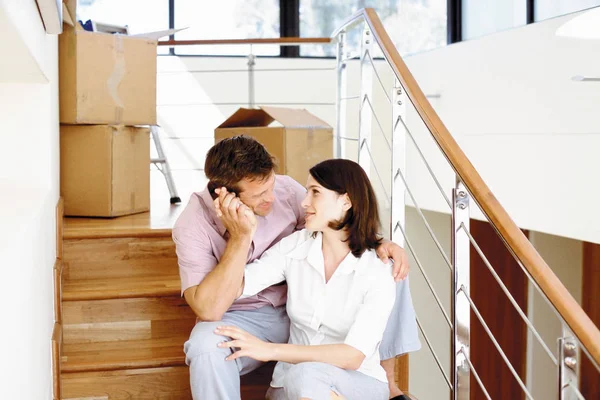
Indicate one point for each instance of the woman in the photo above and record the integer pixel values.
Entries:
(340, 294)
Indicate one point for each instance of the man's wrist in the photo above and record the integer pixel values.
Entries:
(241, 239)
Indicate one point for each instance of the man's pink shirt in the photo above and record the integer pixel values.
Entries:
(200, 238)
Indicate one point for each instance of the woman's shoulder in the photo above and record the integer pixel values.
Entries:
(370, 265)
(295, 241)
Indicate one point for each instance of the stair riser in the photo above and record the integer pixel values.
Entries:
(117, 258)
(161, 383)
(126, 319)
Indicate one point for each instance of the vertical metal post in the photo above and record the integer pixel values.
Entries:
(398, 217)
(340, 105)
(251, 63)
(461, 311)
(568, 365)
(366, 89)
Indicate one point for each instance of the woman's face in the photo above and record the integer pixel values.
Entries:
(323, 206)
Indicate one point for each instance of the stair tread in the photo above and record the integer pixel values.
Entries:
(126, 354)
(156, 223)
(121, 288)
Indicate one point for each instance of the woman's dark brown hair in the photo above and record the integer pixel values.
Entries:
(362, 219)
(236, 158)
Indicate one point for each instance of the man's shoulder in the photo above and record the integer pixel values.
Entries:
(193, 215)
(287, 184)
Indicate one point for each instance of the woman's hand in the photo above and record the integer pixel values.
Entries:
(249, 345)
(387, 250)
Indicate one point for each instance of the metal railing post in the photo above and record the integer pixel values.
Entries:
(398, 201)
(461, 311)
(339, 150)
(568, 368)
(251, 64)
(366, 89)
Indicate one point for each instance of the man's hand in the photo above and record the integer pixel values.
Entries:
(248, 345)
(238, 219)
(387, 250)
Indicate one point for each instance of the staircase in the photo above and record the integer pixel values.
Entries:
(123, 319)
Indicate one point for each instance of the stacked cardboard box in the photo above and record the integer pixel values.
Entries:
(107, 87)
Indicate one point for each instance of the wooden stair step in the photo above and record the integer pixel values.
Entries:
(156, 223)
(121, 355)
(166, 383)
(121, 288)
(126, 319)
(119, 258)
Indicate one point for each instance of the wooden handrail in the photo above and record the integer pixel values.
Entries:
(572, 313)
(285, 41)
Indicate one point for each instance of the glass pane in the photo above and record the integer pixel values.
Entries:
(155, 15)
(413, 25)
(545, 9)
(482, 17)
(233, 19)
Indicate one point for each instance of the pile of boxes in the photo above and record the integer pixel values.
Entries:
(107, 89)
(107, 100)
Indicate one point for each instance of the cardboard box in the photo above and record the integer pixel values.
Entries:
(296, 138)
(104, 170)
(104, 78)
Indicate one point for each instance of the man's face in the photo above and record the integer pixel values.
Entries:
(258, 194)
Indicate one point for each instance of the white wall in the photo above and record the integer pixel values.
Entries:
(530, 130)
(29, 184)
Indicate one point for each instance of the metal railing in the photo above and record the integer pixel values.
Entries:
(465, 197)
(250, 56)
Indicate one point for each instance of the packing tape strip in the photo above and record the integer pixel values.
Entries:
(116, 76)
(132, 135)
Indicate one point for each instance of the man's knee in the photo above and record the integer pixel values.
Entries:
(203, 340)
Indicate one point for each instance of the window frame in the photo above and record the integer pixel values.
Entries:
(289, 26)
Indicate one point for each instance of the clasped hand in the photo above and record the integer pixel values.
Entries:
(248, 345)
(238, 218)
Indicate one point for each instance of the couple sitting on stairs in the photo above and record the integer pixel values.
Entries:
(253, 241)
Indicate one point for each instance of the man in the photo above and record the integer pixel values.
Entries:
(209, 252)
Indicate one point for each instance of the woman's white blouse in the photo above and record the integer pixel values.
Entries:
(352, 308)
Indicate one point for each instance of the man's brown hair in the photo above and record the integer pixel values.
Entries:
(362, 219)
(236, 158)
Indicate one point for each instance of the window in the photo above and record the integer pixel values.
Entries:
(413, 25)
(232, 19)
(545, 9)
(155, 15)
(482, 17)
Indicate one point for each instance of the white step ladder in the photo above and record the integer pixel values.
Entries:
(162, 164)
